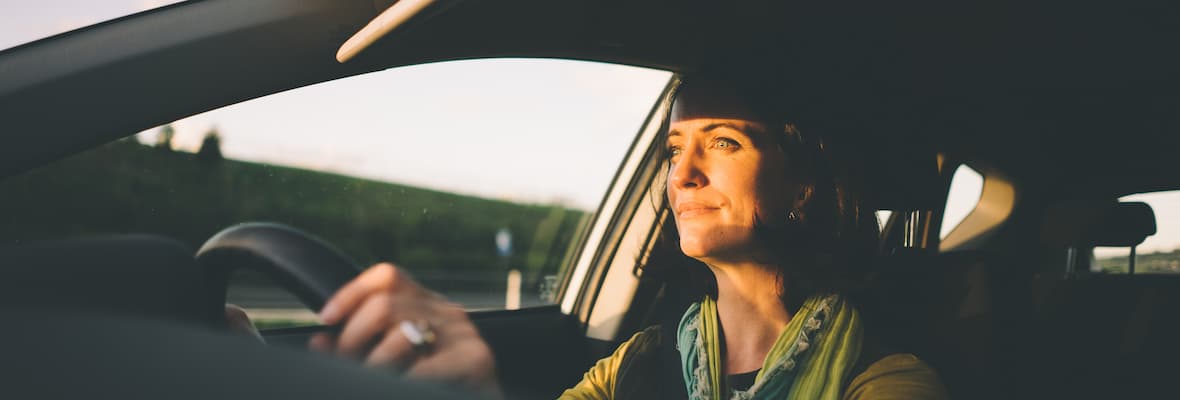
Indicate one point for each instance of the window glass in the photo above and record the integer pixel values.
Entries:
(461, 172)
(1159, 253)
(966, 188)
(27, 21)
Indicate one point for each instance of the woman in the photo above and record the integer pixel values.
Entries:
(777, 241)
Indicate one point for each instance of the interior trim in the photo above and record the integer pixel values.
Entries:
(996, 202)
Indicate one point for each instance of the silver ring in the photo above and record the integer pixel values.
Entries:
(419, 333)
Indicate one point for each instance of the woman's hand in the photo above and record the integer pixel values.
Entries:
(371, 309)
(238, 322)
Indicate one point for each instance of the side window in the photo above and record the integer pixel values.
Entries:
(964, 194)
(1159, 253)
(477, 176)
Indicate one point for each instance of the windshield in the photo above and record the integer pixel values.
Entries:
(477, 176)
(27, 21)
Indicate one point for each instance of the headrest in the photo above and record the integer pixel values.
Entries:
(1091, 224)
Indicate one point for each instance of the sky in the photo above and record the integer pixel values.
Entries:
(525, 130)
(538, 131)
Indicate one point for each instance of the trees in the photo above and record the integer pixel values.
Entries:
(210, 146)
(165, 136)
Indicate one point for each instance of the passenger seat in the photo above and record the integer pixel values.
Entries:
(1104, 334)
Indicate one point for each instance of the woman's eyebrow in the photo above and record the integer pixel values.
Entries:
(754, 132)
(742, 128)
(730, 125)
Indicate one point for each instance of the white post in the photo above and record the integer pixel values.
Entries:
(512, 298)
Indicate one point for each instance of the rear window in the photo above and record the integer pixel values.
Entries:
(1159, 253)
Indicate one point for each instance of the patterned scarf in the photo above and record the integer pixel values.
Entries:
(811, 359)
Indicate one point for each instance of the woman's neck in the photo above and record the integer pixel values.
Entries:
(751, 313)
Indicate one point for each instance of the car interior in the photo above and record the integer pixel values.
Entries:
(1062, 108)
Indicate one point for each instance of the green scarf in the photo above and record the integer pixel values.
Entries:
(811, 359)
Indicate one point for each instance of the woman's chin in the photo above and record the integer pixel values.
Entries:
(711, 250)
(701, 251)
(693, 249)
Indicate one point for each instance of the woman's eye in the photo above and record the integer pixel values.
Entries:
(727, 144)
(674, 150)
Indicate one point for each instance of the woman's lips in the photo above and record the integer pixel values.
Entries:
(691, 209)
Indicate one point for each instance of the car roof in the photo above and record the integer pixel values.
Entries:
(1080, 95)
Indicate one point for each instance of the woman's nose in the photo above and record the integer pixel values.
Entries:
(686, 172)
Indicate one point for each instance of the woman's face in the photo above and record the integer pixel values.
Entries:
(726, 171)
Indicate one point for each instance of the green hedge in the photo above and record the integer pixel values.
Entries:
(126, 187)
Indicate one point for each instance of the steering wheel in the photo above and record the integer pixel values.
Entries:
(309, 267)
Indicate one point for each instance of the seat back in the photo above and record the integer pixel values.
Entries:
(936, 305)
(1102, 333)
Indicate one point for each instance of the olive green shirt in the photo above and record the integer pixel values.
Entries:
(895, 376)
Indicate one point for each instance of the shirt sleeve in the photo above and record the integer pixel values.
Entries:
(599, 381)
(897, 376)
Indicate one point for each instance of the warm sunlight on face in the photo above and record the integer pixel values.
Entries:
(725, 173)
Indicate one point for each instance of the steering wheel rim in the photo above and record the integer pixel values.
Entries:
(308, 267)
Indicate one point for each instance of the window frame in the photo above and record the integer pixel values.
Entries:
(615, 224)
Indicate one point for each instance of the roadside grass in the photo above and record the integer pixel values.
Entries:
(1150, 263)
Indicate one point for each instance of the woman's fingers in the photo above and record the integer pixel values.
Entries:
(374, 317)
(460, 354)
(321, 342)
(237, 321)
(397, 350)
(372, 308)
(468, 362)
(394, 351)
(378, 278)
